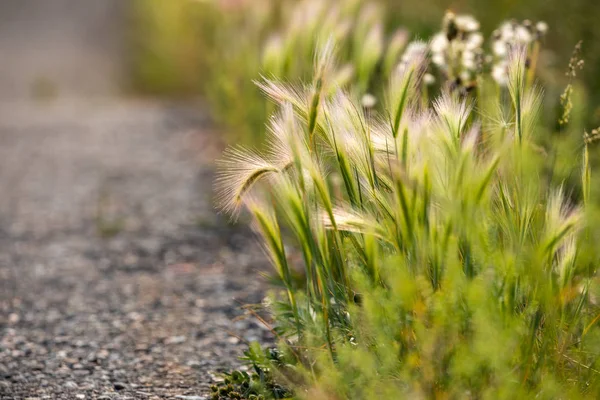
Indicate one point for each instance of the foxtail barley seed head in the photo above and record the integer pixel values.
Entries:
(403, 90)
(561, 221)
(452, 115)
(238, 171)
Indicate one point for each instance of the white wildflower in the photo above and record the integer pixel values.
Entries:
(474, 41)
(507, 31)
(466, 23)
(541, 27)
(522, 35)
(368, 100)
(500, 48)
(438, 59)
(468, 60)
(439, 43)
(500, 74)
(428, 79)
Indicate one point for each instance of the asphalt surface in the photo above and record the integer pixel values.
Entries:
(117, 278)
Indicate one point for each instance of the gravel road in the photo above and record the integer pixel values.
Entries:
(117, 279)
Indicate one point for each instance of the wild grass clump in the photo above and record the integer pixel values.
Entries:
(438, 258)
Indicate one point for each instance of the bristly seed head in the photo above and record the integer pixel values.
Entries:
(238, 171)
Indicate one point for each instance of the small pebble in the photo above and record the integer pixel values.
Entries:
(233, 340)
(175, 340)
(71, 385)
(13, 318)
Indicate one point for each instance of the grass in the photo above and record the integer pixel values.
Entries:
(440, 257)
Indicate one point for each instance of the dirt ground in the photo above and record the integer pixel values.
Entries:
(117, 278)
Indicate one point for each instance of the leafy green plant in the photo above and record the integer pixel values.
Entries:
(257, 385)
(439, 258)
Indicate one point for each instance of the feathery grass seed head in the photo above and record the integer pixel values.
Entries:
(238, 171)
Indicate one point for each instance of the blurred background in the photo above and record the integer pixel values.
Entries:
(172, 44)
(62, 48)
(169, 49)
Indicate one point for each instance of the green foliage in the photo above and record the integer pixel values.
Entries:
(441, 258)
(259, 385)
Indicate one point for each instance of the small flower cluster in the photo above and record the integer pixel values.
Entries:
(575, 63)
(512, 33)
(594, 136)
(456, 50)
